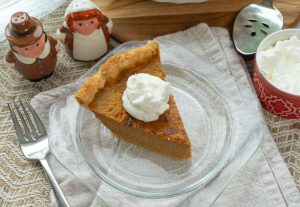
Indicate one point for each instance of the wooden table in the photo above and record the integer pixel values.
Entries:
(145, 19)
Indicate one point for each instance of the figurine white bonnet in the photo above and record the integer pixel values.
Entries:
(82, 5)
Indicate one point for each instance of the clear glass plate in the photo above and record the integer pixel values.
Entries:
(216, 103)
(208, 121)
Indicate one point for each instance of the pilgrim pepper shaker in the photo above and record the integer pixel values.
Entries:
(32, 52)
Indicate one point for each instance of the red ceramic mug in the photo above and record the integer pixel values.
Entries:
(273, 99)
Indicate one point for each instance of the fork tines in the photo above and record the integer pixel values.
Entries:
(31, 127)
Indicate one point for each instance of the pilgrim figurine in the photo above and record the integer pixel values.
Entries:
(85, 31)
(32, 52)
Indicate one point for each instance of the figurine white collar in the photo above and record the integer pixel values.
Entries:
(89, 47)
(28, 60)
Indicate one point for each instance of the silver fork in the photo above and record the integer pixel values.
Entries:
(33, 139)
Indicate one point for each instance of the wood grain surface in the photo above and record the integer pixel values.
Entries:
(145, 19)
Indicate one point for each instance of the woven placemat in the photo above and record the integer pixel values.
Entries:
(23, 183)
(286, 134)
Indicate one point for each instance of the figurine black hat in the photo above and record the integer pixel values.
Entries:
(23, 29)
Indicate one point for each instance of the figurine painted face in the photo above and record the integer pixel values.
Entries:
(85, 31)
(86, 27)
(34, 50)
(84, 22)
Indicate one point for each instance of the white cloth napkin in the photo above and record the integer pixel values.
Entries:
(264, 181)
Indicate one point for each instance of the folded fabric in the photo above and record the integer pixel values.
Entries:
(264, 181)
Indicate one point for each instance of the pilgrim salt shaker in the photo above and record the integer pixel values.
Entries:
(85, 31)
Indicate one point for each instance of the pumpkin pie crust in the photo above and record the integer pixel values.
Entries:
(102, 95)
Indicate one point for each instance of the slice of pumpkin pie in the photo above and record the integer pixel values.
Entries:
(129, 96)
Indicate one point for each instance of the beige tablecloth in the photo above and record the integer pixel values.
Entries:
(22, 182)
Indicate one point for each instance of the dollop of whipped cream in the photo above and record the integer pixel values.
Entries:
(146, 97)
(280, 64)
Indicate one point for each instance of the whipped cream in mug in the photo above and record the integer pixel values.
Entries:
(280, 64)
(146, 97)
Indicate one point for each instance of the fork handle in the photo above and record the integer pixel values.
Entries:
(61, 200)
